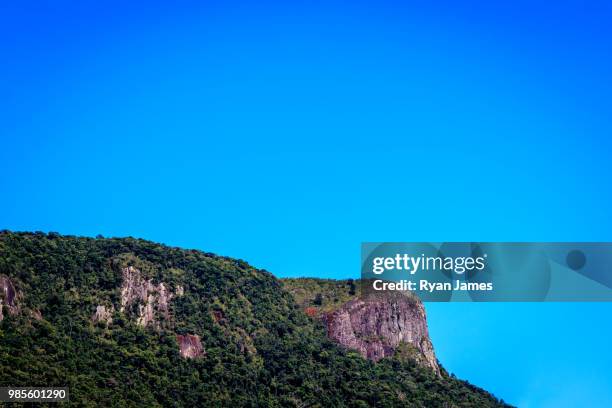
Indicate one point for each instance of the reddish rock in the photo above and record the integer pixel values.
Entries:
(311, 311)
(190, 345)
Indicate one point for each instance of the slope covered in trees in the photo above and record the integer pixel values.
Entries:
(258, 347)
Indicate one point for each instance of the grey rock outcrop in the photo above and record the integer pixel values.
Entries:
(379, 324)
(190, 345)
(8, 297)
(152, 300)
(103, 314)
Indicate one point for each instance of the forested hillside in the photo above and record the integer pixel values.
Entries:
(127, 322)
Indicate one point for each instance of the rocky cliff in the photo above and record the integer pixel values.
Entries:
(151, 304)
(151, 300)
(375, 325)
(378, 325)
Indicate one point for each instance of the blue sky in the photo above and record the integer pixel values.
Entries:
(286, 134)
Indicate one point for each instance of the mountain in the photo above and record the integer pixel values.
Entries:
(128, 322)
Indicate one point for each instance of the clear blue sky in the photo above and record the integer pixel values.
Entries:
(286, 134)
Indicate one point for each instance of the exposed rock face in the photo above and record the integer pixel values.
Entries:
(36, 314)
(377, 325)
(8, 296)
(103, 314)
(153, 300)
(190, 345)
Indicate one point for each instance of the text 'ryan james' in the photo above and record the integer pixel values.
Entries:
(427, 286)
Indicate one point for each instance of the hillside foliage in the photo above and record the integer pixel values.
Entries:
(261, 349)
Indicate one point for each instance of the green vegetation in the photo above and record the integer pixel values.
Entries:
(322, 294)
(261, 348)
